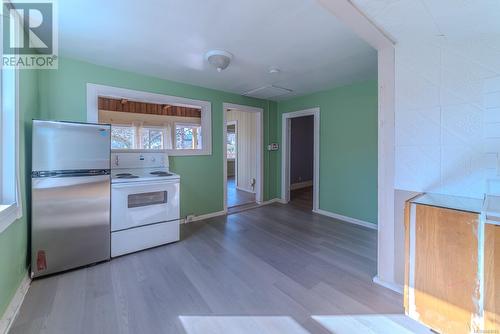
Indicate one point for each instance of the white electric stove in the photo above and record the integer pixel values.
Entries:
(145, 210)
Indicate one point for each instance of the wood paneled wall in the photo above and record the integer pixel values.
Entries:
(247, 146)
(122, 105)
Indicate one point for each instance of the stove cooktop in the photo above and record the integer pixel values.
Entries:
(141, 174)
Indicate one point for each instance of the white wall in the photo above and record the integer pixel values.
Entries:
(447, 115)
(447, 92)
(246, 123)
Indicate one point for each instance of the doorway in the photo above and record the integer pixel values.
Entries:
(239, 193)
(302, 161)
(242, 143)
(300, 156)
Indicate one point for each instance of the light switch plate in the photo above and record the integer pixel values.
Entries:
(273, 147)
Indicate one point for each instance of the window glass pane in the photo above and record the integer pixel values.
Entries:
(8, 137)
(144, 125)
(187, 137)
(231, 145)
(152, 139)
(122, 137)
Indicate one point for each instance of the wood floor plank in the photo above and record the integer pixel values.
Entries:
(265, 270)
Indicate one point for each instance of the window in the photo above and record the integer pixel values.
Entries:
(178, 125)
(231, 145)
(152, 138)
(122, 137)
(188, 137)
(10, 205)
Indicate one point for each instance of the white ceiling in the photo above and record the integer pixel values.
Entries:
(448, 20)
(168, 39)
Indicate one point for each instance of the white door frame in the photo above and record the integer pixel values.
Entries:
(285, 153)
(259, 192)
(235, 123)
(347, 12)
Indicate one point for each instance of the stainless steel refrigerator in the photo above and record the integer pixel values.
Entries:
(70, 194)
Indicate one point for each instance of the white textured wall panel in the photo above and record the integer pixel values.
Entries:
(246, 123)
(447, 92)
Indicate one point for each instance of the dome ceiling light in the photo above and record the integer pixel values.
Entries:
(219, 59)
(274, 70)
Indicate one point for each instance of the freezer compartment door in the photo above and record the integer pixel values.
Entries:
(70, 146)
(70, 222)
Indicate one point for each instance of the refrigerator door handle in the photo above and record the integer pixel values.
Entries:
(70, 173)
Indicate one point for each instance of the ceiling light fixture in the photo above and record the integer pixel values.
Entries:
(274, 70)
(219, 59)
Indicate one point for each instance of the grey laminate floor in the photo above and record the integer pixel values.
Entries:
(236, 197)
(275, 269)
(302, 198)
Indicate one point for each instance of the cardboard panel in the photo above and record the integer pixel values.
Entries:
(446, 264)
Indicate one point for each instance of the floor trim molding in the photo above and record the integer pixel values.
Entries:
(301, 185)
(346, 219)
(190, 219)
(14, 305)
(245, 190)
(193, 218)
(391, 286)
(271, 201)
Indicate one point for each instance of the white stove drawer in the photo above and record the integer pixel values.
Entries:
(136, 204)
(136, 239)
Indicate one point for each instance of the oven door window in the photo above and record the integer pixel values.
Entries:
(146, 199)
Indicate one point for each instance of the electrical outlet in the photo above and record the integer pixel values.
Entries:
(273, 147)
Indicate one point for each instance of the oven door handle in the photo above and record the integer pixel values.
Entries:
(145, 183)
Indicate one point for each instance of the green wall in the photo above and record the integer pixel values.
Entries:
(348, 148)
(348, 164)
(63, 97)
(14, 240)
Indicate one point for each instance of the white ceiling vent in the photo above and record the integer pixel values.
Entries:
(268, 92)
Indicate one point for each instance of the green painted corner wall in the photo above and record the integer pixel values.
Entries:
(63, 97)
(348, 148)
(14, 240)
(348, 164)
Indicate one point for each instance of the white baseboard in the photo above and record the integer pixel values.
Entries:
(222, 213)
(281, 200)
(346, 219)
(14, 305)
(271, 201)
(300, 185)
(245, 190)
(391, 286)
(190, 219)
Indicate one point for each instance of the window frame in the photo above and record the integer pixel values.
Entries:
(134, 142)
(185, 125)
(95, 90)
(153, 127)
(235, 123)
(10, 212)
